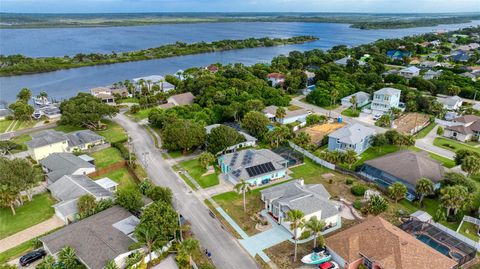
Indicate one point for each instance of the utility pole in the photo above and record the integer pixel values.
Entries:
(145, 163)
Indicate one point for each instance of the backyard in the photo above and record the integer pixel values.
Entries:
(453, 145)
(121, 176)
(106, 157)
(27, 215)
(114, 133)
(195, 170)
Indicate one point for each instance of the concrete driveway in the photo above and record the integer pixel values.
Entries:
(426, 144)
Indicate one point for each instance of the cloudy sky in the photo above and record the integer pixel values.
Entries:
(92, 6)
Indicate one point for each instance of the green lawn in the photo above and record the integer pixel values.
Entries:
(373, 153)
(349, 113)
(470, 230)
(142, 114)
(293, 107)
(31, 213)
(20, 140)
(127, 100)
(4, 125)
(121, 176)
(425, 131)
(452, 145)
(196, 171)
(17, 251)
(68, 128)
(106, 157)
(114, 133)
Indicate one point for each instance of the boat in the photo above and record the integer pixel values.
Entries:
(318, 256)
(41, 101)
(329, 265)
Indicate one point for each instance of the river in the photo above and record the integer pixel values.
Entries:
(69, 41)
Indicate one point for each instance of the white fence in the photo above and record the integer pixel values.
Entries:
(311, 156)
(460, 237)
(445, 123)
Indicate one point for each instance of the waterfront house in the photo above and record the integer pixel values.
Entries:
(107, 94)
(363, 99)
(57, 165)
(181, 99)
(450, 103)
(351, 137)
(312, 199)
(291, 116)
(69, 188)
(404, 166)
(98, 239)
(464, 128)
(384, 100)
(409, 72)
(276, 79)
(377, 244)
(148, 82)
(256, 167)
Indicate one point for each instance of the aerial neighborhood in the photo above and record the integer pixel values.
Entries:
(352, 157)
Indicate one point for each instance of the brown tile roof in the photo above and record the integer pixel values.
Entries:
(460, 129)
(183, 98)
(276, 76)
(386, 244)
(467, 118)
(409, 166)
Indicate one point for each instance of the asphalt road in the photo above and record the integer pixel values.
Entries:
(226, 251)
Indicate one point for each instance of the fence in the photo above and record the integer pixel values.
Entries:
(458, 236)
(108, 169)
(311, 156)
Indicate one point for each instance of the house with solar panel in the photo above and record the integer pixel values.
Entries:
(257, 167)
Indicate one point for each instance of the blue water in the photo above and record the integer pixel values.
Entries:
(434, 244)
(69, 41)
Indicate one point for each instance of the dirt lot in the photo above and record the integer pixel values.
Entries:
(410, 122)
(319, 131)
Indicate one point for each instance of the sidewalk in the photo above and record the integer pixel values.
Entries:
(30, 233)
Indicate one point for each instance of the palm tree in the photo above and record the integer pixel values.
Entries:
(188, 246)
(68, 257)
(350, 157)
(281, 113)
(295, 218)
(423, 188)
(145, 236)
(111, 265)
(315, 226)
(353, 101)
(334, 94)
(243, 187)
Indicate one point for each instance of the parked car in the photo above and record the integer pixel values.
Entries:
(329, 265)
(376, 117)
(30, 257)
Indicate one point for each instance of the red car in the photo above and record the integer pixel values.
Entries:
(328, 265)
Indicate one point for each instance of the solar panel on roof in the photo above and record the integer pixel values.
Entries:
(260, 169)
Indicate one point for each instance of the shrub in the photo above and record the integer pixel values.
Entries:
(440, 130)
(124, 152)
(305, 234)
(357, 204)
(377, 205)
(358, 189)
(349, 181)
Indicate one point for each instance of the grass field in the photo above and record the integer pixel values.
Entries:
(453, 145)
(142, 114)
(4, 125)
(27, 215)
(68, 128)
(106, 157)
(127, 100)
(470, 230)
(196, 171)
(121, 176)
(349, 113)
(20, 140)
(373, 153)
(114, 132)
(425, 131)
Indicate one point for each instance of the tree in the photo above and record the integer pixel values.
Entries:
(85, 110)
(280, 113)
(452, 179)
(461, 154)
(384, 121)
(243, 187)
(130, 199)
(205, 159)
(397, 191)
(353, 101)
(424, 188)
(349, 158)
(255, 123)
(6, 146)
(440, 130)
(161, 220)
(222, 137)
(302, 139)
(24, 95)
(189, 246)
(377, 205)
(22, 110)
(86, 205)
(279, 134)
(68, 257)
(315, 226)
(295, 217)
(111, 265)
(134, 109)
(471, 165)
(46, 263)
(454, 198)
(315, 118)
(183, 135)
(158, 193)
(145, 235)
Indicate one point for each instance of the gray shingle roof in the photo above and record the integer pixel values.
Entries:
(183, 98)
(241, 160)
(361, 97)
(46, 137)
(60, 164)
(352, 133)
(450, 100)
(71, 187)
(83, 137)
(272, 110)
(95, 238)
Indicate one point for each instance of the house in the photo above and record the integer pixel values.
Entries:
(276, 79)
(148, 81)
(46, 142)
(409, 72)
(291, 116)
(471, 75)
(57, 165)
(167, 86)
(430, 74)
(404, 166)
(450, 102)
(51, 112)
(430, 64)
(384, 100)
(181, 99)
(461, 57)
(343, 61)
(4, 113)
(378, 244)
(256, 167)
(107, 184)
(363, 99)
(351, 137)
(107, 94)
(98, 239)
(250, 141)
(69, 188)
(212, 68)
(464, 128)
(312, 199)
(398, 54)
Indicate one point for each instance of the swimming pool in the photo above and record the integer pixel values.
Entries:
(434, 244)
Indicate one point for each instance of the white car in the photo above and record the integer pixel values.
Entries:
(376, 117)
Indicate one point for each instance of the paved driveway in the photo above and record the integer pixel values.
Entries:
(426, 144)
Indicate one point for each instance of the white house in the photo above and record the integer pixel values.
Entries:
(430, 74)
(450, 102)
(291, 116)
(409, 72)
(149, 82)
(464, 129)
(276, 79)
(385, 99)
(362, 99)
(312, 199)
